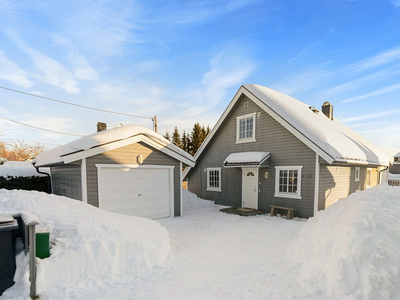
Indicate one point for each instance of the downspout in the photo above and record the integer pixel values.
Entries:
(48, 177)
(380, 173)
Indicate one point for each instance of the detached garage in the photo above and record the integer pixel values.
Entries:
(130, 170)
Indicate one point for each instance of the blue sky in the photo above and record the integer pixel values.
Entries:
(183, 61)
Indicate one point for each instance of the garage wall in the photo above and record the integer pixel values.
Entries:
(66, 180)
(127, 155)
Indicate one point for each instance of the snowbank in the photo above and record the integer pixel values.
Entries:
(18, 168)
(352, 249)
(87, 243)
(191, 201)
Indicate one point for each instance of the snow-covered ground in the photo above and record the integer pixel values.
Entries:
(349, 251)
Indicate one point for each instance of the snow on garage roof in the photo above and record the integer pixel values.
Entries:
(96, 140)
(246, 158)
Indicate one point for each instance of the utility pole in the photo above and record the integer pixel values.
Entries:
(155, 123)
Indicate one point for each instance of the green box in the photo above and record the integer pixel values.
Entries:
(43, 244)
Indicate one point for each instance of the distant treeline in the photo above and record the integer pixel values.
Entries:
(190, 142)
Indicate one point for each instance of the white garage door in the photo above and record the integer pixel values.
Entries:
(136, 192)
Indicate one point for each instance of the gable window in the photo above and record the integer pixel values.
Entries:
(288, 182)
(368, 179)
(357, 174)
(246, 128)
(214, 179)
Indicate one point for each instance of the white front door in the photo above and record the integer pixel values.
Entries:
(250, 188)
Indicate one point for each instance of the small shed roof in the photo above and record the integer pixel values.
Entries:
(242, 159)
(397, 155)
(101, 141)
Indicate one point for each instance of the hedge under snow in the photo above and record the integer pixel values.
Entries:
(352, 249)
(87, 242)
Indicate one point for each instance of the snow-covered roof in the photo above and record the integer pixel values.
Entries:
(330, 139)
(104, 138)
(18, 169)
(397, 155)
(246, 158)
(331, 136)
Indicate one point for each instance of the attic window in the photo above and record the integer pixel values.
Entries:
(245, 128)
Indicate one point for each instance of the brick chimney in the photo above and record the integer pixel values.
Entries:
(327, 109)
(101, 126)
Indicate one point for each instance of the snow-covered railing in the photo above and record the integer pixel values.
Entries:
(394, 182)
(29, 222)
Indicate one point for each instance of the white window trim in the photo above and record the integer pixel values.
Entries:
(250, 139)
(368, 184)
(213, 189)
(357, 178)
(288, 195)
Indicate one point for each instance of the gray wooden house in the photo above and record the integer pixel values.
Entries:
(395, 168)
(271, 149)
(130, 169)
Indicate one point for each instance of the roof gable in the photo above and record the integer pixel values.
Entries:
(107, 140)
(330, 139)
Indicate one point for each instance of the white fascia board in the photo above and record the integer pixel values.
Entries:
(274, 115)
(184, 174)
(115, 145)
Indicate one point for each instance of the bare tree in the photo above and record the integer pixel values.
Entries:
(20, 150)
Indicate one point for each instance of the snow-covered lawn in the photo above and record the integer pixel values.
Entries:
(349, 251)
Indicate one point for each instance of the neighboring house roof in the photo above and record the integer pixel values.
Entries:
(330, 139)
(397, 155)
(107, 140)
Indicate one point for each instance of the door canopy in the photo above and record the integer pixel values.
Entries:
(246, 159)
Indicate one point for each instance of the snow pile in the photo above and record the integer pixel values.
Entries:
(87, 243)
(18, 168)
(352, 249)
(191, 201)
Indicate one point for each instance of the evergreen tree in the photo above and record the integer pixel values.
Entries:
(176, 138)
(195, 138)
(184, 142)
(167, 136)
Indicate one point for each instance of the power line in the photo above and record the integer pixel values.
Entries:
(82, 106)
(42, 128)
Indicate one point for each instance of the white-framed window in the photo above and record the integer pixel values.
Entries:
(357, 174)
(368, 178)
(214, 179)
(246, 128)
(288, 182)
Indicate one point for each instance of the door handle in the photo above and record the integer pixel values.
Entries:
(139, 195)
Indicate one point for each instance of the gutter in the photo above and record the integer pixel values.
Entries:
(48, 176)
(380, 173)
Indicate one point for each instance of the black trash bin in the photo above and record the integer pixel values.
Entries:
(8, 227)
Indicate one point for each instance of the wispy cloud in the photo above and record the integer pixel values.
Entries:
(103, 27)
(383, 74)
(197, 12)
(227, 68)
(371, 116)
(11, 72)
(378, 92)
(396, 3)
(378, 60)
(82, 69)
(54, 72)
